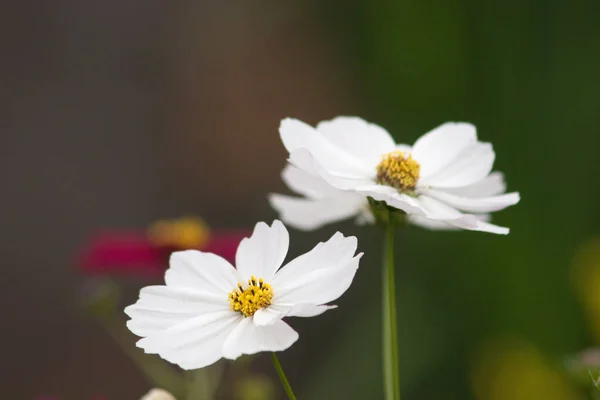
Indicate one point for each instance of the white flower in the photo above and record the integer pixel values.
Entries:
(444, 181)
(209, 310)
(158, 394)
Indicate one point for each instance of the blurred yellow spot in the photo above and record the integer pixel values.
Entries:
(398, 171)
(182, 233)
(247, 301)
(506, 369)
(586, 281)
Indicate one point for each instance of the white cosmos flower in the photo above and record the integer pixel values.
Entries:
(210, 310)
(444, 181)
(158, 394)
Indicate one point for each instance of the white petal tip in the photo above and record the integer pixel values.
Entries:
(277, 223)
(143, 344)
(288, 120)
(498, 230)
(128, 308)
(128, 322)
(273, 199)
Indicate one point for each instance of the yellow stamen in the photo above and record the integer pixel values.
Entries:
(398, 171)
(247, 301)
(183, 233)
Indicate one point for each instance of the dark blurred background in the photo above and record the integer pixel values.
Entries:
(115, 114)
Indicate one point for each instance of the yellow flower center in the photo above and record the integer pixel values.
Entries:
(398, 171)
(182, 233)
(247, 301)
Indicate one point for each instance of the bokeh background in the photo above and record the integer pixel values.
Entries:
(115, 114)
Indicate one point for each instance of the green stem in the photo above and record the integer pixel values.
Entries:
(200, 384)
(155, 370)
(282, 378)
(390, 334)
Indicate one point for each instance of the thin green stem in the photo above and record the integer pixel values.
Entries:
(155, 370)
(200, 386)
(391, 376)
(282, 378)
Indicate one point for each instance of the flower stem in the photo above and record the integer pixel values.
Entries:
(156, 371)
(390, 336)
(282, 378)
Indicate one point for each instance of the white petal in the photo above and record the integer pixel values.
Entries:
(404, 148)
(297, 135)
(354, 135)
(337, 250)
(205, 271)
(187, 331)
(323, 285)
(437, 225)
(491, 228)
(277, 311)
(306, 184)
(304, 160)
(194, 343)
(148, 322)
(435, 209)
(306, 214)
(365, 217)
(267, 316)
(393, 198)
(161, 307)
(473, 164)
(476, 205)
(491, 185)
(363, 187)
(249, 338)
(457, 219)
(428, 223)
(262, 253)
(437, 148)
(308, 310)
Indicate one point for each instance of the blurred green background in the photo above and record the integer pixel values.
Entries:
(117, 114)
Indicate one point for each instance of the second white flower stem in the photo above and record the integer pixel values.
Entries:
(391, 376)
(282, 378)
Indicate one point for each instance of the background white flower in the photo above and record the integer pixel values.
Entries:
(209, 310)
(443, 181)
(321, 204)
(158, 394)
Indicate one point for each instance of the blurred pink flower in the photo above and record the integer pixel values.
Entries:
(146, 252)
(96, 397)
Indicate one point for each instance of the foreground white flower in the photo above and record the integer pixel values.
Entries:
(443, 181)
(209, 310)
